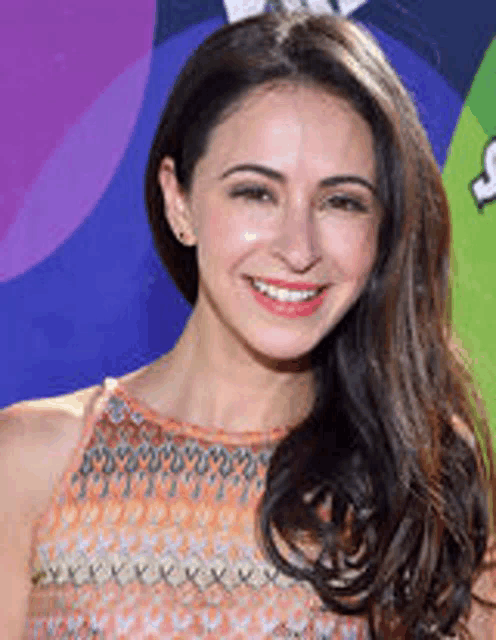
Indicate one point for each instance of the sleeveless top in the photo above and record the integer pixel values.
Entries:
(150, 534)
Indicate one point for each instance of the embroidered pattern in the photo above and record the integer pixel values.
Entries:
(151, 535)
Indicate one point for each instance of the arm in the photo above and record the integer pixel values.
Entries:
(17, 509)
(482, 621)
(35, 444)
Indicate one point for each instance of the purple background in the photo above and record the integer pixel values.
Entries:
(83, 294)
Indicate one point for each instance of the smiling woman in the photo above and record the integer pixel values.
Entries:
(308, 461)
(334, 186)
(303, 207)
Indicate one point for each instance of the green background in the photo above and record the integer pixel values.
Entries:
(474, 232)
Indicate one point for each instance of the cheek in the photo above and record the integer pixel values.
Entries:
(225, 238)
(353, 248)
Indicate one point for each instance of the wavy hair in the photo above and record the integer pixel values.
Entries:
(376, 499)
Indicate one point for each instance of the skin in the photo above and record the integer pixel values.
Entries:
(237, 366)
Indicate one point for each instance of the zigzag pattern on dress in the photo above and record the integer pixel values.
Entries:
(152, 535)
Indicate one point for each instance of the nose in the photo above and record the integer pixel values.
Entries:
(296, 242)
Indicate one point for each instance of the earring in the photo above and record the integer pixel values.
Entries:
(181, 234)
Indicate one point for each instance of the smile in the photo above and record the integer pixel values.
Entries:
(289, 303)
(283, 294)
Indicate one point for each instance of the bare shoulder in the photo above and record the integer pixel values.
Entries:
(71, 404)
(37, 438)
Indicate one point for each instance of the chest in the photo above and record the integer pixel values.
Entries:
(153, 533)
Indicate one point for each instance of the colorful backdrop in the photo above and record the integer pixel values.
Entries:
(82, 292)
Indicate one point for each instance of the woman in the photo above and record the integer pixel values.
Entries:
(307, 461)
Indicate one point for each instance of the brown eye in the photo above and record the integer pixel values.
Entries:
(346, 203)
(254, 193)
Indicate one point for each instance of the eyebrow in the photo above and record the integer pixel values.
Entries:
(275, 175)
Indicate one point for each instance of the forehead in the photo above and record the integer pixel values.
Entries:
(280, 122)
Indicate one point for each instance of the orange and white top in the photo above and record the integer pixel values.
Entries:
(151, 534)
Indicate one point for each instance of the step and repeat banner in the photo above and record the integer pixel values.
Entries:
(82, 292)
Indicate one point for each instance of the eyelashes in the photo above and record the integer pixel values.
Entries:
(252, 193)
(261, 195)
(347, 203)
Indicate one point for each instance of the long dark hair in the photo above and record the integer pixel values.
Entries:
(377, 478)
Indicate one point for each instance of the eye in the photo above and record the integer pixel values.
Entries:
(254, 192)
(346, 203)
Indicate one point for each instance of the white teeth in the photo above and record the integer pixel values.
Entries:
(283, 295)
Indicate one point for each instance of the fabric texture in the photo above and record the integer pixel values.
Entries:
(151, 534)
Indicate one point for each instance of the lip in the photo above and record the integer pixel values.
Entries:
(298, 286)
(288, 309)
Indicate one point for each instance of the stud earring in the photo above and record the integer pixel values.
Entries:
(181, 235)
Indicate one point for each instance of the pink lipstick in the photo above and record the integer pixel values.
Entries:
(289, 309)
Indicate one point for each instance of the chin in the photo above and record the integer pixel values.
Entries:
(290, 352)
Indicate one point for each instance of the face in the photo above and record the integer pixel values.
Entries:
(285, 192)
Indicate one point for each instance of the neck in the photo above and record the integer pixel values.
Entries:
(221, 383)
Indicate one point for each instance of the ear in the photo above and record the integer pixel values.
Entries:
(176, 207)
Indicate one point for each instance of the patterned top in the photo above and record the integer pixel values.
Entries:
(151, 534)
